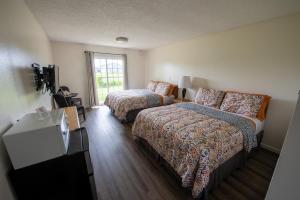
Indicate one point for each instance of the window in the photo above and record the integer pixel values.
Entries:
(109, 74)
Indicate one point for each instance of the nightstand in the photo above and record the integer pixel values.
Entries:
(179, 100)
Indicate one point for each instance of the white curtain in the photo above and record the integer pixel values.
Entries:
(92, 95)
(125, 72)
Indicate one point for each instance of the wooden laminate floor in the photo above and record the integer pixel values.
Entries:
(124, 170)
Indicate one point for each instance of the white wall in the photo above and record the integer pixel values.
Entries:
(260, 58)
(22, 42)
(285, 180)
(73, 73)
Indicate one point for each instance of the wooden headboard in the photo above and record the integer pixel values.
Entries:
(175, 91)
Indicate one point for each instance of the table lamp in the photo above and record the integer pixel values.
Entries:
(185, 82)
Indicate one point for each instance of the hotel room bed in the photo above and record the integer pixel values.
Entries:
(200, 144)
(126, 104)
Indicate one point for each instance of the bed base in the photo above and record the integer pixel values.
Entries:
(131, 115)
(217, 176)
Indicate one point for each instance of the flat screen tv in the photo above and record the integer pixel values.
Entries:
(46, 78)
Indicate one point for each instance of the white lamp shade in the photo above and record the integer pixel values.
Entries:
(185, 82)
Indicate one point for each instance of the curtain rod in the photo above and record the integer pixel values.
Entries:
(117, 54)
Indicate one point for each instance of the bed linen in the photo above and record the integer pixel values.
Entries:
(257, 123)
(194, 139)
(121, 102)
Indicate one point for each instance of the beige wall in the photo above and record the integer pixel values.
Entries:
(22, 42)
(260, 58)
(71, 60)
(285, 180)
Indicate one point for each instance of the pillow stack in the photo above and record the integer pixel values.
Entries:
(152, 85)
(250, 105)
(161, 88)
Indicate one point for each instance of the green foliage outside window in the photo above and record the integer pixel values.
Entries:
(115, 83)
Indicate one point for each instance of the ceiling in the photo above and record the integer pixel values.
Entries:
(150, 23)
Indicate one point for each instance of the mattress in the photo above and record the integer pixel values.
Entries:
(259, 125)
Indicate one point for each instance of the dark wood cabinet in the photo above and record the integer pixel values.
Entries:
(67, 177)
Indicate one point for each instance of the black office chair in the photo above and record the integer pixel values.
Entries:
(73, 98)
(62, 102)
(64, 88)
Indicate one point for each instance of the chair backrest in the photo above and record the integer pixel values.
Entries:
(64, 88)
(60, 100)
(60, 91)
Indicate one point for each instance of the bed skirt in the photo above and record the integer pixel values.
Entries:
(216, 177)
(130, 116)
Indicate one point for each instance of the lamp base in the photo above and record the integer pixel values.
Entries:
(183, 93)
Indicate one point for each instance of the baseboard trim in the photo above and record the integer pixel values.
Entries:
(270, 148)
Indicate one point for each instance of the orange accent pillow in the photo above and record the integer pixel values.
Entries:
(262, 113)
(172, 88)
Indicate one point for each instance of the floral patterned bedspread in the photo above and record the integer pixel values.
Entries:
(194, 144)
(121, 102)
